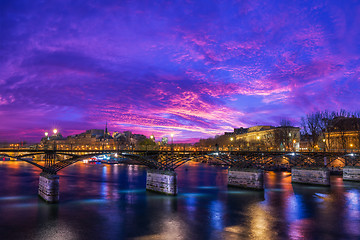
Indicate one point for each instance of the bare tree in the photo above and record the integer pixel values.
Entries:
(356, 115)
(326, 128)
(311, 125)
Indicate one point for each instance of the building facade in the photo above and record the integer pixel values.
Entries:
(267, 138)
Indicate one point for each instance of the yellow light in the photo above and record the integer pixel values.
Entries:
(351, 145)
(294, 141)
(172, 135)
(55, 131)
(324, 140)
(258, 137)
(46, 134)
(232, 139)
(151, 136)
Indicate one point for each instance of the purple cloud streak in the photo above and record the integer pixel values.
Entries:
(194, 69)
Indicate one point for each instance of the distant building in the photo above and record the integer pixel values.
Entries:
(92, 139)
(267, 138)
(342, 134)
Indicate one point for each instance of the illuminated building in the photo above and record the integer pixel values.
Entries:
(267, 138)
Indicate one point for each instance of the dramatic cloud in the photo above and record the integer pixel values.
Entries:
(192, 68)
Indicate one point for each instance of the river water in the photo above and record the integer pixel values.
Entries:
(110, 202)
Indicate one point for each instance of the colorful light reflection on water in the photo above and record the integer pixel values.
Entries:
(110, 202)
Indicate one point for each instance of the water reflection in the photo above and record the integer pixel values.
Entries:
(110, 202)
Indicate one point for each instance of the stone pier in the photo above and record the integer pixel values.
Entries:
(49, 187)
(351, 173)
(162, 181)
(316, 176)
(246, 178)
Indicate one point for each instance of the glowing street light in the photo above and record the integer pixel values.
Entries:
(47, 135)
(55, 131)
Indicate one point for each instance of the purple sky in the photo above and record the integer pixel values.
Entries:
(193, 68)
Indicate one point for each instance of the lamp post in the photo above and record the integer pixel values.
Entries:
(258, 138)
(152, 139)
(231, 140)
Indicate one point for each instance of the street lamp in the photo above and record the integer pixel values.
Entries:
(55, 131)
(231, 140)
(47, 136)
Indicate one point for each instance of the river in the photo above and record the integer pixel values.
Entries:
(110, 202)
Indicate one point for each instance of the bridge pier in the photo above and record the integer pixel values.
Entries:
(351, 173)
(49, 187)
(162, 181)
(246, 178)
(316, 176)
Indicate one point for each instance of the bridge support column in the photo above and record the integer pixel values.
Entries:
(246, 178)
(351, 173)
(316, 176)
(49, 187)
(162, 181)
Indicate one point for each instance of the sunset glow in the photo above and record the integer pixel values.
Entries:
(193, 69)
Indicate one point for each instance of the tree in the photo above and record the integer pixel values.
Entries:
(326, 128)
(311, 125)
(147, 142)
(356, 115)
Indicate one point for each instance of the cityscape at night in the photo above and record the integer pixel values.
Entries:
(184, 119)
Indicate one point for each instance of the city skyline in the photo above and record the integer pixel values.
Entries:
(193, 69)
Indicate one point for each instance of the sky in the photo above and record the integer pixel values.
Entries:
(192, 68)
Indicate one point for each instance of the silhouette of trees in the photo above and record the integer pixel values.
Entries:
(312, 125)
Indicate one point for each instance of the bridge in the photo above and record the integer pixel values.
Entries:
(245, 167)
